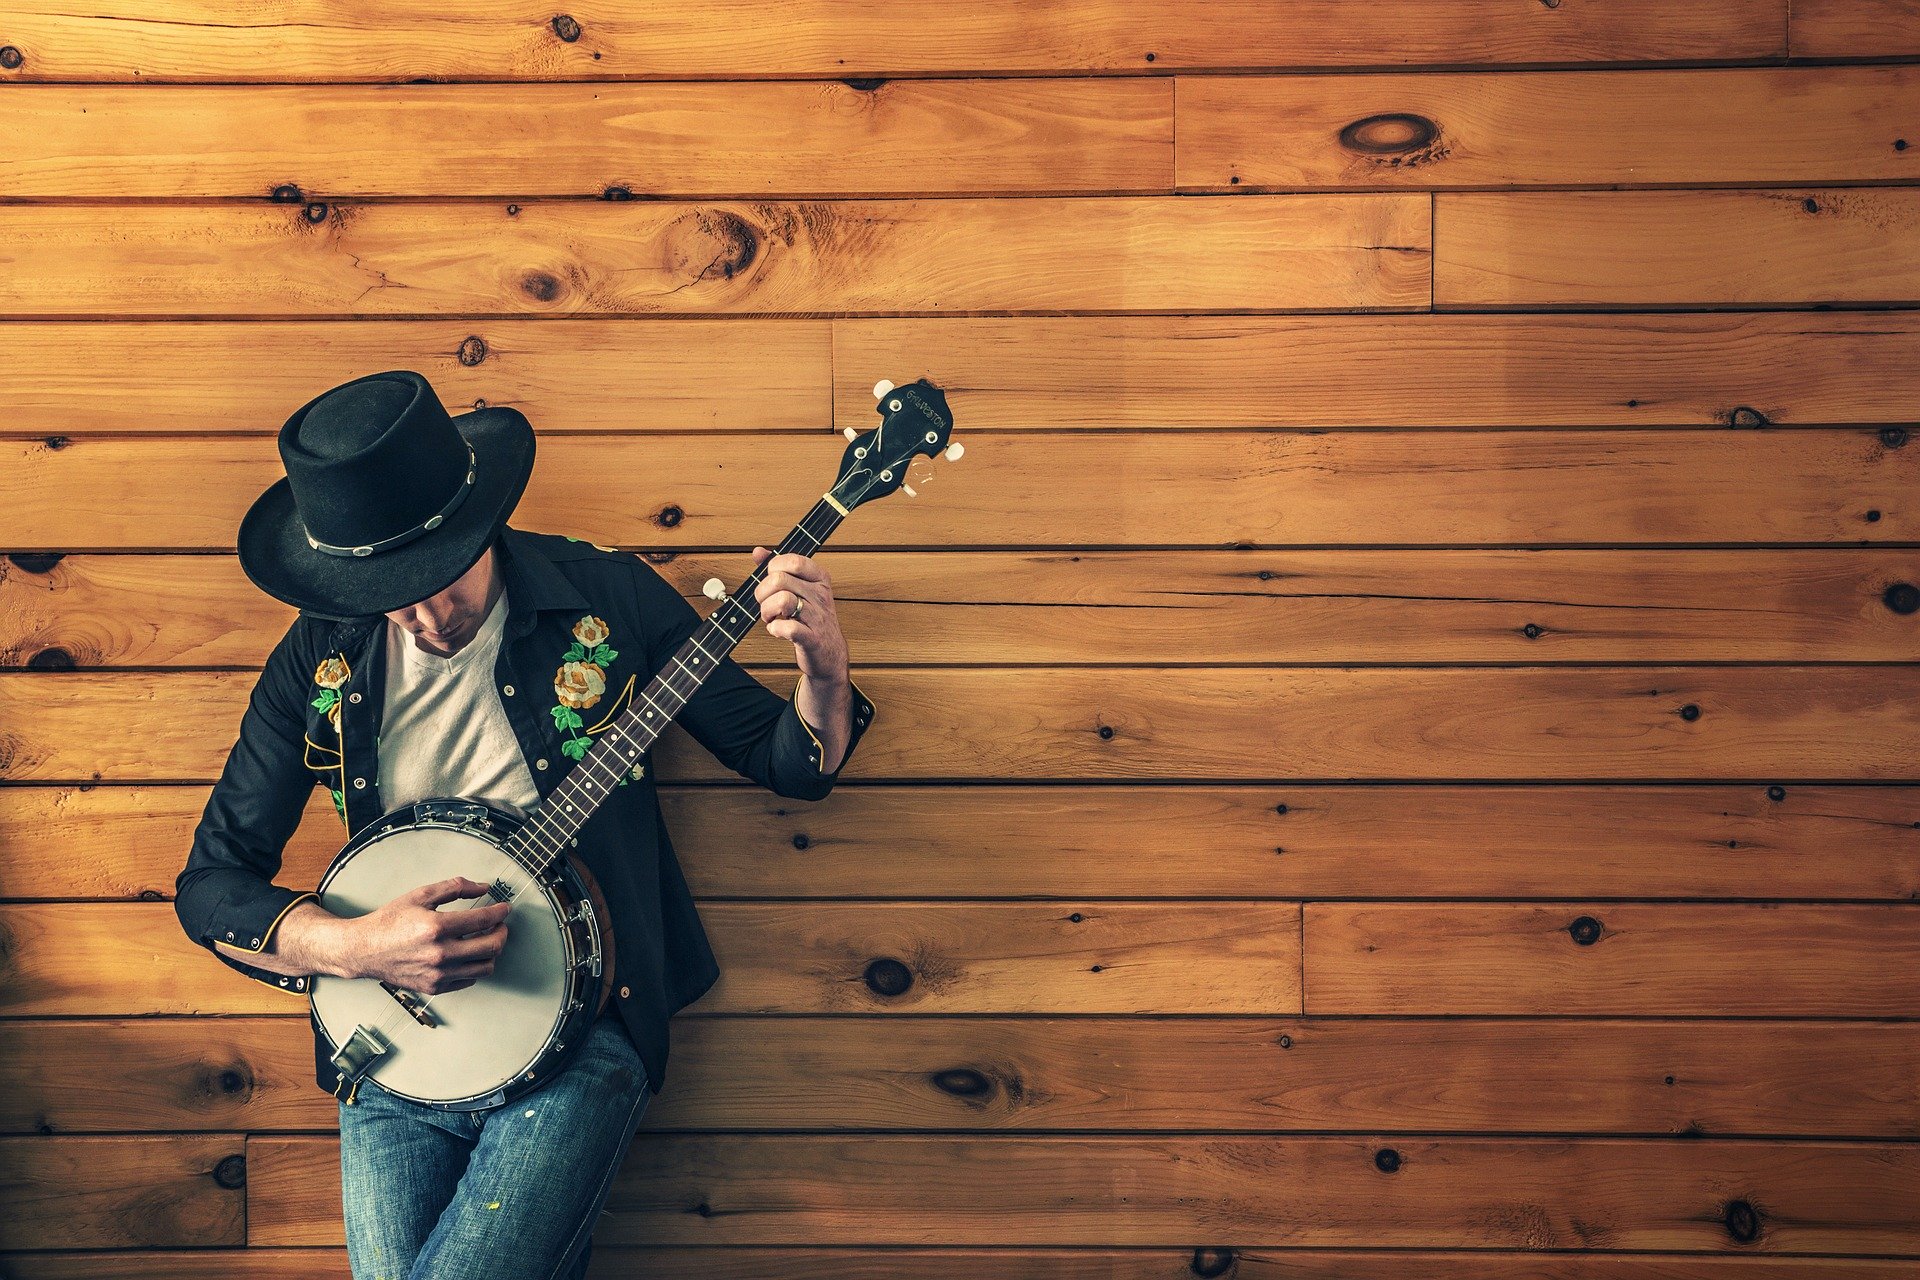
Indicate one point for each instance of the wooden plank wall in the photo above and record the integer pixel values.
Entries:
(1397, 746)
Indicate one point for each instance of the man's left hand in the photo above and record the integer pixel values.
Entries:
(818, 645)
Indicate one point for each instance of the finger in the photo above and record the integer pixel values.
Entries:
(792, 630)
(781, 605)
(432, 895)
(476, 920)
(761, 553)
(798, 565)
(485, 947)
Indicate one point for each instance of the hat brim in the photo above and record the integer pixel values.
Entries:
(272, 541)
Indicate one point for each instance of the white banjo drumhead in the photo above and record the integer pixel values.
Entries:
(481, 1036)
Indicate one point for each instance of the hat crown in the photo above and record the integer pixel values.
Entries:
(374, 459)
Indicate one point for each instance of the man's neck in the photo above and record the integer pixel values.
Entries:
(495, 585)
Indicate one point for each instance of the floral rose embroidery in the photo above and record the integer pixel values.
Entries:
(332, 672)
(580, 681)
(579, 684)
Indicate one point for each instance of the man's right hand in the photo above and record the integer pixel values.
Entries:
(412, 945)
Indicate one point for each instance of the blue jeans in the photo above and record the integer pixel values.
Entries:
(510, 1192)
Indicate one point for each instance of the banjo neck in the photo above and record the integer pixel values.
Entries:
(551, 826)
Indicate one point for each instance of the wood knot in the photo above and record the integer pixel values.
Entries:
(1745, 416)
(1893, 437)
(1210, 1262)
(36, 561)
(1585, 931)
(10, 57)
(564, 26)
(963, 1082)
(541, 286)
(1392, 133)
(711, 244)
(888, 977)
(315, 212)
(864, 86)
(1902, 597)
(1776, 793)
(669, 517)
(800, 840)
(1690, 712)
(1386, 1160)
(473, 349)
(287, 193)
(51, 659)
(1742, 1221)
(231, 1172)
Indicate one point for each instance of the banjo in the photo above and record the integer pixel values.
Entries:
(487, 1043)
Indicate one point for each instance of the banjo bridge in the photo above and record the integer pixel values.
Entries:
(416, 1007)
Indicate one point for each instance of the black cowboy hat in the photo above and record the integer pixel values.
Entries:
(387, 500)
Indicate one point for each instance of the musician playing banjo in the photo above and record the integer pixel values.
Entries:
(439, 652)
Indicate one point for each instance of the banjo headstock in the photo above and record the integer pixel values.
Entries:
(914, 423)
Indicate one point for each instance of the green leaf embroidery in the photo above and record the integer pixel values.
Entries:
(327, 700)
(574, 653)
(574, 748)
(339, 803)
(602, 656)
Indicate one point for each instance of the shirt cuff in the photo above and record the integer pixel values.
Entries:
(249, 926)
(811, 749)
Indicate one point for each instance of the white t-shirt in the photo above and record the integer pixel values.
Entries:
(443, 731)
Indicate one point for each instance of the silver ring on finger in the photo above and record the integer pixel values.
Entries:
(798, 605)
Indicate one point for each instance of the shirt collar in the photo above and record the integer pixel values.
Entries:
(533, 582)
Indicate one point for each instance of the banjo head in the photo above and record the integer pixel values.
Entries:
(480, 1039)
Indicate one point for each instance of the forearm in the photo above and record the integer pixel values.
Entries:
(309, 940)
(828, 707)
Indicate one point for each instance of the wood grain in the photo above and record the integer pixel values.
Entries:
(1708, 960)
(1429, 131)
(1600, 1195)
(1120, 607)
(1855, 28)
(1199, 489)
(1774, 248)
(123, 1192)
(1365, 841)
(1776, 724)
(1007, 374)
(816, 138)
(1036, 1074)
(748, 39)
(646, 257)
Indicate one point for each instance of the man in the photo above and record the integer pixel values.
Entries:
(440, 652)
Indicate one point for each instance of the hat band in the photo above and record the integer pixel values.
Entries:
(401, 539)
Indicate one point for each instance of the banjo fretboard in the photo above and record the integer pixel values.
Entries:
(552, 825)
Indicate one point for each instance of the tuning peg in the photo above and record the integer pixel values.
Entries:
(849, 432)
(908, 489)
(954, 451)
(714, 589)
(881, 388)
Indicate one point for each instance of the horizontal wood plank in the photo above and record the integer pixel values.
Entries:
(1783, 247)
(249, 376)
(1106, 607)
(1602, 1195)
(124, 1192)
(1854, 28)
(1040, 1074)
(741, 374)
(742, 39)
(1743, 369)
(800, 138)
(95, 959)
(1205, 489)
(1703, 959)
(1290, 841)
(1761, 724)
(1550, 128)
(646, 257)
